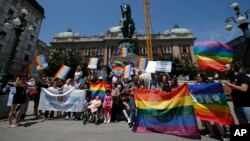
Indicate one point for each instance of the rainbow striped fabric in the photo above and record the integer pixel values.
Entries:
(117, 68)
(98, 89)
(123, 52)
(41, 62)
(127, 71)
(170, 113)
(141, 63)
(62, 72)
(31, 69)
(210, 103)
(212, 55)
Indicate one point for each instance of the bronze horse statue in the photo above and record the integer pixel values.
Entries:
(127, 23)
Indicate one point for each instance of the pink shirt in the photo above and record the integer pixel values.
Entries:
(108, 100)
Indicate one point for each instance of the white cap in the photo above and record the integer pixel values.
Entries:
(100, 77)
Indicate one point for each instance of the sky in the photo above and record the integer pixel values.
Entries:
(205, 18)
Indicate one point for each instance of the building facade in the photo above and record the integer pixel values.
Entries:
(27, 41)
(176, 43)
(241, 53)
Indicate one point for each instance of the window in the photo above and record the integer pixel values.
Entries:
(115, 50)
(26, 57)
(10, 12)
(29, 47)
(1, 46)
(36, 20)
(13, 2)
(86, 52)
(2, 35)
(184, 49)
(32, 37)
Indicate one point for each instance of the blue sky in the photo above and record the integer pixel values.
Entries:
(206, 18)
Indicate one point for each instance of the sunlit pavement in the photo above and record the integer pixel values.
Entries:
(71, 130)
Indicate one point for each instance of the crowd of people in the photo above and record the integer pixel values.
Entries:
(118, 103)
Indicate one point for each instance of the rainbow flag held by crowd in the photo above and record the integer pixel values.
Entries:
(127, 71)
(210, 103)
(117, 68)
(123, 52)
(169, 113)
(141, 63)
(41, 62)
(212, 55)
(98, 89)
(62, 72)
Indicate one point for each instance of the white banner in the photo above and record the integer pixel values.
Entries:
(164, 66)
(71, 101)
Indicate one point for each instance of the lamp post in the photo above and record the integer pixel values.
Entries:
(19, 24)
(242, 24)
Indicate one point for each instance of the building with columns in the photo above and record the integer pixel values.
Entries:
(26, 47)
(177, 42)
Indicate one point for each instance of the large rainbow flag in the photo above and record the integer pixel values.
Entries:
(117, 68)
(162, 112)
(98, 89)
(210, 103)
(212, 55)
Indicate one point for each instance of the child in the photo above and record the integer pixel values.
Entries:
(107, 106)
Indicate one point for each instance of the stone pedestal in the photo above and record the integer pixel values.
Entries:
(131, 58)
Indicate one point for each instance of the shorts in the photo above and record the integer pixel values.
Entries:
(242, 113)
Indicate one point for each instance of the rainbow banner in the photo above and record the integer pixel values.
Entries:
(210, 103)
(41, 62)
(141, 63)
(212, 55)
(62, 72)
(123, 52)
(127, 71)
(98, 89)
(169, 113)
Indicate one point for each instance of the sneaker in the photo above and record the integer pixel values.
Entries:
(209, 135)
(224, 138)
(67, 117)
(12, 126)
(129, 120)
(105, 121)
(108, 121)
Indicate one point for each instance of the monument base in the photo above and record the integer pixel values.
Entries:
(131, 58)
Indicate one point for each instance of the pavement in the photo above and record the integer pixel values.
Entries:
(74, 130)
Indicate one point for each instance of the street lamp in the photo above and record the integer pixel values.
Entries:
(242, 24)
(19, 24)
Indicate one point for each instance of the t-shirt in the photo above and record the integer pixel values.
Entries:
(108, 100)
(241, 98)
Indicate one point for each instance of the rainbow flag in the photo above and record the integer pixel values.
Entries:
(62, 72)
(127, 71)
(41, 62)
(212, 55)
(123, 52)
(98, 89)
(210, 103)
(141, 63)
(169, 113)
(93, 63)
(117, 68)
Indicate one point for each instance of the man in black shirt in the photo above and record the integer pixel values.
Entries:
(239, 83)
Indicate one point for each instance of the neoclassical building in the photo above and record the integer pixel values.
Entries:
(177, 42)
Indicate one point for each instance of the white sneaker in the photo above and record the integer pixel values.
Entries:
(129, 120)
(108, 121)
(67, 117)
(105, 121)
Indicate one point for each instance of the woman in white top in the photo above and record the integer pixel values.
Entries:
(78, 73)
